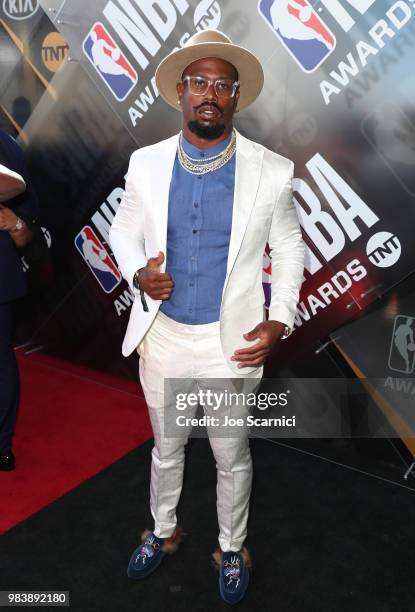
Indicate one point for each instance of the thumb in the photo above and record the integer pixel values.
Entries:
(155, 262)
(252, 334)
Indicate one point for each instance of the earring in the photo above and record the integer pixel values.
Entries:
(179, 101)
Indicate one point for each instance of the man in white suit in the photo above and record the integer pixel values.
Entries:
(189, 236)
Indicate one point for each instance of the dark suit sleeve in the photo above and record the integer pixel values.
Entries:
(25, 205)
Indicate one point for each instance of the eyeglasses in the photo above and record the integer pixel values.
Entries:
(199, 86)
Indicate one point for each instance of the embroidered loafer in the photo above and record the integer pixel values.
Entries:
(234, 573)
(148, 556)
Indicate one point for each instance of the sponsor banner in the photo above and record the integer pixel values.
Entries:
(390, 326)
(97, 258)
(121, 44)
(33, 51)
(20, 10)
(108, 61)
(20, 18)
(47, 50)
(353, 148)
(380, 349)
(342, 38)
(21, 92)
(78, 162)
(355, 249)
(304, 35)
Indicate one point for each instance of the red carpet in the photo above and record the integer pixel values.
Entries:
(73, 422)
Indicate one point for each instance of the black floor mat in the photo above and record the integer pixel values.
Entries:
(323, 538)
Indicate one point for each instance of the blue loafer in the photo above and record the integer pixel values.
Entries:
(234, 575)
(148, 556)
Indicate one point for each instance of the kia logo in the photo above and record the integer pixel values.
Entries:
(20, 9)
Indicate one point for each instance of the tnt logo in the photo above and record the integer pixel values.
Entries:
(207, 15)
(97, 258)
(402, 348)
(383, 249)
(301, 31)
(107, 59)
(54, 51)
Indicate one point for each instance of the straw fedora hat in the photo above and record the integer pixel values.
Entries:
(210, 43)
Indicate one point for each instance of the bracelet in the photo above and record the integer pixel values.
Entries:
(136, 285)
(143, 300)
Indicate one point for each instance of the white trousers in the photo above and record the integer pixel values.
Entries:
(194, 353)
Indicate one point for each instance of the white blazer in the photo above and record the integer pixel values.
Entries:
(263, 211)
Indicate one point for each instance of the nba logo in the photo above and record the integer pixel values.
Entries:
(107, 59)
(97, 258)
(301, 31)
(402, 347)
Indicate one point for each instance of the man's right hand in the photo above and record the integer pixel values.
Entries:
(158, 285)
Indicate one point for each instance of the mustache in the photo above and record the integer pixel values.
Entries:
(208, 105)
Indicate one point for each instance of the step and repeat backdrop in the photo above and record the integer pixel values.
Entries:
(78, 91)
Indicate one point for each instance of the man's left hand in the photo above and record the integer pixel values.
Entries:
(8, 219)
(269, 333)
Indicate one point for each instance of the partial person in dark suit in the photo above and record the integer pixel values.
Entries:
(18, 209)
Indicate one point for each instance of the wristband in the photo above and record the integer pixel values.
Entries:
(143, 300)
(136, 285)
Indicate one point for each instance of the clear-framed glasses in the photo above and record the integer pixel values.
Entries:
(199, 86)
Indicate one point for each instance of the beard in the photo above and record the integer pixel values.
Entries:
(207, 132)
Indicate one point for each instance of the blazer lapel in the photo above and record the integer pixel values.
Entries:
(247, 175)
(160, 187)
